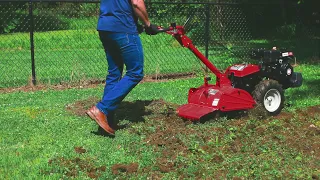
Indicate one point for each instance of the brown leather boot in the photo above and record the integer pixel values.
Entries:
(100, 118)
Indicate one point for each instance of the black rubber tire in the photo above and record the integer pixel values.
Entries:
(262, 89)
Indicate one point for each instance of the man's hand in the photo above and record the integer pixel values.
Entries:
(152, 29)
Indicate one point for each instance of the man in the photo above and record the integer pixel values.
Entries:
(118, 32)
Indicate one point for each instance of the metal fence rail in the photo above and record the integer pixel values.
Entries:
(54, 42)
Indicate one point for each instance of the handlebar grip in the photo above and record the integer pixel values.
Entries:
(165, 29)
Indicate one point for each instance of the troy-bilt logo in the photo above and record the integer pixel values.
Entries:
(287, 54)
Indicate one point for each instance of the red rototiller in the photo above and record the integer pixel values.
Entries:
(241, 86)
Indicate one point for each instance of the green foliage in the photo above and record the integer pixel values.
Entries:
(71, 10)
(9, 21)
(47, 16)
(287, 31)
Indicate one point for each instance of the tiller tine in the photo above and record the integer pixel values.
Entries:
(194, 112)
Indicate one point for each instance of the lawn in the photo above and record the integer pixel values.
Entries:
(45, 134)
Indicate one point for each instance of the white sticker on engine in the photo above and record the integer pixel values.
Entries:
(215, 102)
(238, 67)
(285, 54)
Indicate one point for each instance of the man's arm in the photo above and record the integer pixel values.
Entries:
(140, 10)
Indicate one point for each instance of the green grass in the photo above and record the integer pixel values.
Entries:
(77, 55)
(36, 128)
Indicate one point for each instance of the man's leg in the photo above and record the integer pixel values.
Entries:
(115, 69)
(114, 74)
(132, 56)
(115, 63)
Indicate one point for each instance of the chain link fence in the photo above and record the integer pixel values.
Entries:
(52, 42)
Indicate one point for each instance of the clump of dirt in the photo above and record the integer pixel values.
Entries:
(313, 131)
(164, 165)
(80, 150)
(80, 107)
(71, 167)
(258, 112)
(217, 159)
(124, 168)
(236, 145)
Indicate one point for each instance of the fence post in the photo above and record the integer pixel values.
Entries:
(31, 28)
(207, 30)
(319, 47)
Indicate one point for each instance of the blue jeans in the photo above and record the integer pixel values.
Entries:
(121, 49)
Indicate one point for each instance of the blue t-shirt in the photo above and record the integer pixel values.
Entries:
(117, 16)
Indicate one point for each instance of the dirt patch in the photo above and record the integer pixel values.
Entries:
(312, 130)
(124, 168)
(166, 133)
(71, 167)
(164, 138)
(80, 107)
(217, 159)
(164, 165)
(285, 116)
(313, 111)
(306, 136)
(236, 145)
(61, 86)
(132, 111)
(80, 150)
(299, 130)
(161, 115)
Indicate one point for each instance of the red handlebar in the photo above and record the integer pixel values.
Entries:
(179, 34)
(164, 29)
(173, 29)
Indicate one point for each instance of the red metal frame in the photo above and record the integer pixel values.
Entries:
(179, 34)
(208, 98)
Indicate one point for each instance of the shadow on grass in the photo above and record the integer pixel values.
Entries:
(134, 112)
(223, 116)
(101, 132)
(312, 90)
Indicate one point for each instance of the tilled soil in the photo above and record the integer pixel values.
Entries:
(166, 137)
